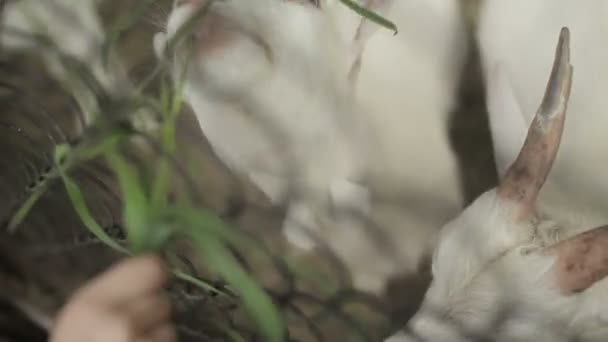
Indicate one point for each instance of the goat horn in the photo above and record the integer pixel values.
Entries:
(526, 176)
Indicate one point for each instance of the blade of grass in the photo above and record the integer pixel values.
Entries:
(80, 205)
(370, 15)
(136, 209)
(26, 207)
(209, 234)
(80, 154)
(255, 300)
(108, 143)
(197, 282)
(160, 187)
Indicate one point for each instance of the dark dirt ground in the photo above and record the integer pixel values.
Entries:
(34, 262)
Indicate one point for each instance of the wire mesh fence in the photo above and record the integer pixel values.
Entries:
(50, 252)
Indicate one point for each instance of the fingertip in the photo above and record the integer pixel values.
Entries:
(152, 260)
(150, 268)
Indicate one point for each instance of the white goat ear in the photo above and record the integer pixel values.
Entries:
(525, 177)
(507, 121)
(581, 260)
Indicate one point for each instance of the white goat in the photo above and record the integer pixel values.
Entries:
(499, 273)
(321, 111)
(517, 36)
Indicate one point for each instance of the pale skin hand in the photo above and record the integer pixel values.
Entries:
(127, 303)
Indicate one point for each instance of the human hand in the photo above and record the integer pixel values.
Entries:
(127, 303)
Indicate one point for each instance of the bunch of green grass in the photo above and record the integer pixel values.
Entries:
(152, 222)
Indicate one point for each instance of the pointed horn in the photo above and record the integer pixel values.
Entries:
(526, 176)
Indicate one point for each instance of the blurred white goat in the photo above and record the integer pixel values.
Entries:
(324, 111)
(501, 271)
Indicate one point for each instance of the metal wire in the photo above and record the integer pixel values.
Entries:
(52, 240)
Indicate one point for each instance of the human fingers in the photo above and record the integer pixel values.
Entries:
(148, 312)
(126, 280)
(79, 323)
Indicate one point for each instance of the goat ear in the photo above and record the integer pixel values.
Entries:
(581, 260)
(507, 122)
(525, 177)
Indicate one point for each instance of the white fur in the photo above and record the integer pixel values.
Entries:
(488, 269)
(407, 85)
(518, 36)
(492, 276)
(297, 126)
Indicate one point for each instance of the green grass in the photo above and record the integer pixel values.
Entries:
(151, 220)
